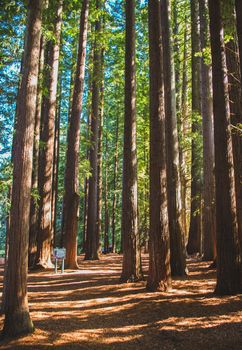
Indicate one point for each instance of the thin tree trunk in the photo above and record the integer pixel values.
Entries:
(228, 268)
(208, 210)
(44, 237)
(182, 123)
(71, 196)
(106, 209)
(92, 241)
(17, 319)
(100, 151)
(114, 204)
(131, 269)
(178, 261)
(159, 276)
(194, 239)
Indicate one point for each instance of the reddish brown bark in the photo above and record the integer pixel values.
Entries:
(177, 246)
(131, 269)
(17, 319)
(228, 255)
(71, 196)
(159, 277)
(47, 137)
(194, 239)
(114, 204)
(93, 240)
(208, 209)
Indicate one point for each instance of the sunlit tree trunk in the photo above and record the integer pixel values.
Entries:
(228, 255)
(114, 204)
(17, 319)
(159, 276)
(47, 138)
(194, 238)
(131, 269)
(208, 210)
(178, 262)
(71, 196)
(92, 241)
(34, 198)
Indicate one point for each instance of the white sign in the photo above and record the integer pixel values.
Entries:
(60, 253)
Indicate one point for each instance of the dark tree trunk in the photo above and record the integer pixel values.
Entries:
(114, 204)
(17, 319)
(208, 210)
(228, 268)
(131, 269)
(194, 239)
(92, 241)
(159, 277)
(178, 262)
(34, 199)
(238, 155)
(47, 137)
(71, 196)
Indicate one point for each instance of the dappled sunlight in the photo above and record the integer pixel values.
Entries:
(90, 309)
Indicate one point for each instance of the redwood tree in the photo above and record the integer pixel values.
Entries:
(178, 262)
(71, 196)
(159, 277)
(228, 254)
(17, 319)
(92, 239)
(194, 239)
(208, 210)
(131, 269)
(47, 137)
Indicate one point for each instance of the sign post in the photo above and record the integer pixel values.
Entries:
(60, 254)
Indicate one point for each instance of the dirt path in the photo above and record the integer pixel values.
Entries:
(89, 309)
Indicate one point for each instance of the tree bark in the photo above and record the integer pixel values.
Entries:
(228, 255)
(106, 209)
(47, 137)
(177, 248)
(92, 241)
(131, 268)
(71, 196)
(34, 200)
(194, 239)
(159, 276)
(114, 204)
(17, 319)
(208, 209)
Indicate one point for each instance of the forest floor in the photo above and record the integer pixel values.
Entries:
(90, 309)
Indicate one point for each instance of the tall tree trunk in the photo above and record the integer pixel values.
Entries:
(92, 241)
(178, 262)
(194, 239)
(106, 209)
(235, 98)
(44, 237)
(208, 210)
(71, 196)
(100, 151)
(159, 277)
(17, 319)
(131, 269)
(34, 198)
(238, 161)
(114, 204)
(176, 48)
(228, 269)
(56, 167)
(183, 127)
